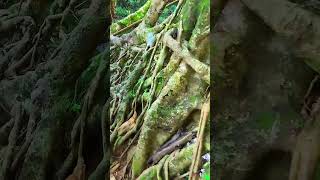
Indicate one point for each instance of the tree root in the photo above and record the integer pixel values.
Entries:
(15, 52)
(124, 103)
(193, 174)
(4, 131)
(130, 19)
(307, 151)
(202, 69)
(102, 169)
(17, 112)
(36, 149)
(80, 124)
(175, 163)
(160, 166)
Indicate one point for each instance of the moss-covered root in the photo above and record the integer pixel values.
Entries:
(120, 117)
(167, 114)
(202, 69)
(131, 19)
(177, 163)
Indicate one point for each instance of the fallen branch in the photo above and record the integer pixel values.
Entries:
(170, 148)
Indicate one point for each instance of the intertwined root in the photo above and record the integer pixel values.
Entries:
(45, 46)
(156, 86)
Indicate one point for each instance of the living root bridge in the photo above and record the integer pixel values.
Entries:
(160, 78)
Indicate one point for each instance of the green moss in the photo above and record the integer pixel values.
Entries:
(166, 12)
(146, 96)
(76, 107)
(203, 22)
(265, 120)
(162, 120)
(195, 99)
(147, 82)
(150, 173)
(314, 64)
(182, 161)
(189, 17)
(160, 83)
(136, 167)
(177, 97)
(178, 164)
(206, 174)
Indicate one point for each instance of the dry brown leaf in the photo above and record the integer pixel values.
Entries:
(126, 126)
(122, 172)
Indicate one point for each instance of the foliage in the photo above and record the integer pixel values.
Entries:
(76, 107)
(126, 7)
(166, 12)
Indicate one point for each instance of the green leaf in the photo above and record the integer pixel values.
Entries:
(75, 107)
(207, 176)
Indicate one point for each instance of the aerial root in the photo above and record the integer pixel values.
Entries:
(79, 129)
(193, 174)
(5, 131)
(202, 69)
(30, 56)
